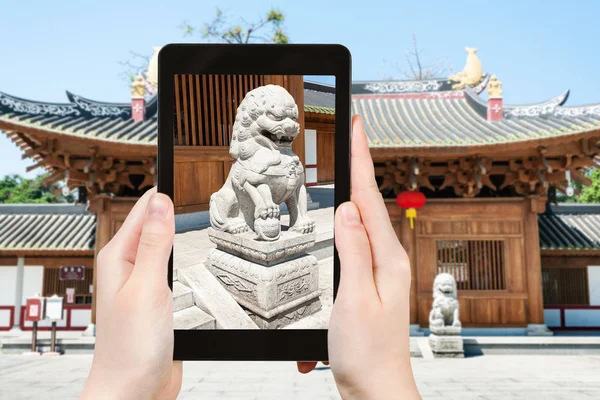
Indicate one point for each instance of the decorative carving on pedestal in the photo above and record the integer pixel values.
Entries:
(266, 269)
(444, 321)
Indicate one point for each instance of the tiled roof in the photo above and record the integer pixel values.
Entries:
(570, 227)
(112, 122)
(459, 118)
(46, 227)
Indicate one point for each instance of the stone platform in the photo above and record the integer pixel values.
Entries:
(276, 282)
(447, 346)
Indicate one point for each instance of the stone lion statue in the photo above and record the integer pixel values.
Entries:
(445, 309)
(265, 172)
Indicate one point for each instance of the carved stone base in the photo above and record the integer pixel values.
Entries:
(274, 281)
(444, 346)
(445, 330)
(294, 313)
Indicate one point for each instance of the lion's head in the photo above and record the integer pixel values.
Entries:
(269, 111)
(444, 285)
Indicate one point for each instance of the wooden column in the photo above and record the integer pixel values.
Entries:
(406, 236)
(111, 212)
(535, 309)
(295, 85)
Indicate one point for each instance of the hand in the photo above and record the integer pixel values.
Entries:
(133, 358)
(369, 328)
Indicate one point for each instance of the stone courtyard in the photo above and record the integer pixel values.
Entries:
(502, 377)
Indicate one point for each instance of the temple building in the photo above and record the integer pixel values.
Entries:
(489, 173)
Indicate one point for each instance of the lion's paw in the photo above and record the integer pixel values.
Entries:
(304, 225)
(238, 225)
(269, 211)
(457, 324)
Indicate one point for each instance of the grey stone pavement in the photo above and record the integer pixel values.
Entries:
(486, 377)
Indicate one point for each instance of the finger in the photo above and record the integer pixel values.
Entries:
(389, 258)
(115, 261)
(304, 367)
(128, 236)
(356, 263)
(156, 242)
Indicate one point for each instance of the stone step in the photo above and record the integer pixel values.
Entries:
(193, 318)
(214, 299)
(183, 297)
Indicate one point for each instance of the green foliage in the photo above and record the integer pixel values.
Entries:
(591, 194)
(16, 189)
(218, 29)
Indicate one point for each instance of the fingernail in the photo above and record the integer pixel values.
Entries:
(158, 206)
(350, 215)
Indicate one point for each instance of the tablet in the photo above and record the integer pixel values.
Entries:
(254, 151)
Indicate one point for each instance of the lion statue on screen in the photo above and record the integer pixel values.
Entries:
(265, 172)
(445, 309)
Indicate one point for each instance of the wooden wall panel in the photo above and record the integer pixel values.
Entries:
(198, 173)
(325, 156)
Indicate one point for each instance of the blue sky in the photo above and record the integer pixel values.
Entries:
(537, 49)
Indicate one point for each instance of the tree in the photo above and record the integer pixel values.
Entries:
(418, 69)
(268, 29)
(219, 30)
(591, 194)
(16, 189)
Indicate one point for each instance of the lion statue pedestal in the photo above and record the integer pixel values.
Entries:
(444, 322)
(265, 269)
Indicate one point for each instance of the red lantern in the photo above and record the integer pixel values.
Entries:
(411, 200)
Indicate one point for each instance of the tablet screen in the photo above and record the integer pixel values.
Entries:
(254, 201)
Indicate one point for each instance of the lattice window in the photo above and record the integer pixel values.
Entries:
(206, 105)
(565, 286)
(53, 285)
(475, 264)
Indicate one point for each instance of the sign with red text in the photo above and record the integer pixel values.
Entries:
(72, 273)
(70, 295)
(33, 309)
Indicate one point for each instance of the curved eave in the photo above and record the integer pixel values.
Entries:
(9, 125)
(380, 152)
(535, 109)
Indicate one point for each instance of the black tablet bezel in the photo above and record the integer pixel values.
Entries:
(260, 59)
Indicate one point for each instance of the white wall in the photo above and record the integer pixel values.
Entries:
(582, 318)
(552, 318)
(5, 318)
(594, 284)
(8, 285)
(310, 143)
(32, 281)
(80, 318)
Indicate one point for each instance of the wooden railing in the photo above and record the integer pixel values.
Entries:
(566, 286)
(475, 264)
(206, 105)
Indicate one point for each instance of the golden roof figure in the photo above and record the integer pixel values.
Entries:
(138, 87)
(495, 87)
(472, 74)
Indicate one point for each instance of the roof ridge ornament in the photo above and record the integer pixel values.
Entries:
(495, 87)
(471, 75)
(138, 87)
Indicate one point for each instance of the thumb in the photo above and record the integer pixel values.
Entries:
(156, 242)
(352, 242)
